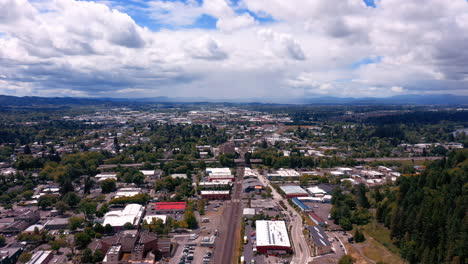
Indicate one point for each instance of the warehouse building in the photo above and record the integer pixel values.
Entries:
(41, 257)
(284, 174)
(292, 191)
(165, 208)
(132, 214)
(272, 237)
(215, 185)
(215, 195)
(301, 205)
(216, 174)
(320, 240)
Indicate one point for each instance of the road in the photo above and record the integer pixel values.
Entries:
(302, 254)
(226, 242)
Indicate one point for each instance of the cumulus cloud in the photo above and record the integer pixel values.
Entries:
(205, 48)
(282, 44)
(308, 47)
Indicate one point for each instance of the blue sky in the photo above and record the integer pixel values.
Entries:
(233, 48)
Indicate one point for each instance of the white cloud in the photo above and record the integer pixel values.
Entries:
(397, 89)
(92, 48)
(282, 44)
(206, 48)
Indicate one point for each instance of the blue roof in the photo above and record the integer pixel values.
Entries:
(300, 204)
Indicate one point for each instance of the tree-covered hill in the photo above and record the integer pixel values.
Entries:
(427, 213)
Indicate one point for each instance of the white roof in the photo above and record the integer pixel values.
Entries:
(292, 189)
(215, 192)
(337, 173)
(147, 172)
(127, 192)
(249, 211)
(149, 218)
(39, 257)
(33, 227)
(130, 214)
(315, 190)
(288, 173)
(272, 233)
(179, 175)
(218, 171)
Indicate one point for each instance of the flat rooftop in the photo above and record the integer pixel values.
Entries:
(272, 233)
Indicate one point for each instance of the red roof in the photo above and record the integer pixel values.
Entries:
(170, 206)
(316, 217)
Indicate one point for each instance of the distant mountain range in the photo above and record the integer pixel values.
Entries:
(436, 99)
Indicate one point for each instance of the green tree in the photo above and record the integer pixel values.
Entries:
(82, 239)
(128, 226)
(86, 256)
(47, 200)
(108, 185)
(57, 244)
(346, 259)
(102, 210)
(72, 199)
(61, 207)
(98, 255)
(75, 222)
(25, 257)
(2, 241)
(189, 218)
(88, 208)
(359, 236)
(201, 206)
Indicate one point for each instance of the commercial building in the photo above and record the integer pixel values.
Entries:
(216, 174)
(132, 214)
(284, 174)
(165, 208)
(56, 224)
(127, 192)
(317, 219)
(41, 257)
(294, 191)
(215, 185)
(248, 212)
(131, 246)
(215, 195)
(316, 191)
(272, 237)
(320, 240)
(106, 176)
(252, 185)
(301, 205)
(11, 254)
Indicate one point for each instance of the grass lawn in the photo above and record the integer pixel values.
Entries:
(381, 234)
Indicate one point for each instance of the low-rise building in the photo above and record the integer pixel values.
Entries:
(284, 174)
(293, 191)
(272, 237)
(56, 224)
(41, 257)
(215, 194)
(165, 208)
(132, 214)
(320, 240)
(216, 174)
(127, 192)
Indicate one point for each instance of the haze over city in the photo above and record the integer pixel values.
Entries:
(233, 48)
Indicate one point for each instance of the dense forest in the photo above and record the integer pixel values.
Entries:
(427, 213)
